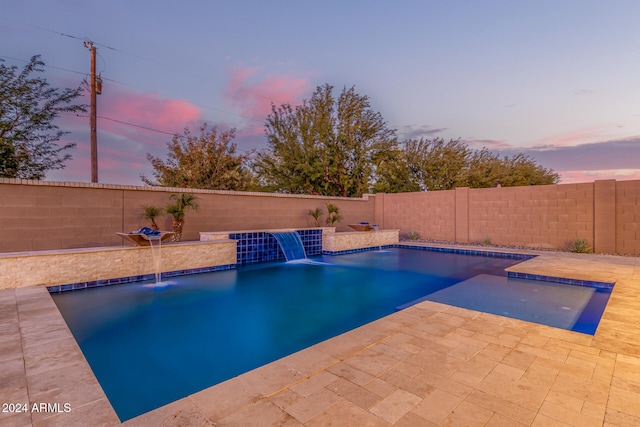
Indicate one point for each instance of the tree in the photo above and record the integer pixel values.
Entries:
(206, 161)
(425, 165)
(428, 165)
(315, 214)
(333, 215)
(485, 168)
(325, 146)
(394, 175)
(435, 164)
(28, 108)
(177, 209)
(151, 212)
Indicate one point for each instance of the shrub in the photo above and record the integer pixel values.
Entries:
(333, 215)
(486, 241)
(412, 235)
(151, 213)
(315, 214)
(580, 246)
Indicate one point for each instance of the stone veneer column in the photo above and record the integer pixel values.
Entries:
(604, 216)
(462, 215)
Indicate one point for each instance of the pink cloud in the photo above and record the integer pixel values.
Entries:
(571, 138)
(252, 95)
(122, 148)
(572, 177)
(149, 112)
(491, 144)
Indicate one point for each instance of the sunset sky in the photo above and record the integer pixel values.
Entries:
(558, 80)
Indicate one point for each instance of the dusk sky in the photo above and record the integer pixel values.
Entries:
(557, 80)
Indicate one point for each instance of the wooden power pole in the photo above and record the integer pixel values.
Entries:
(93, 113)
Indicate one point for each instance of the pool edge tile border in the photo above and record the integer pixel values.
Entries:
(133, 279)
(562, 280)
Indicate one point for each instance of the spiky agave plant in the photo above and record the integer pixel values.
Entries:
(177, 209)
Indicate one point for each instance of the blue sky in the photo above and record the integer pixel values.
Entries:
(558, 80)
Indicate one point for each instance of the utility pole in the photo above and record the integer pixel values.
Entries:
(93, 115)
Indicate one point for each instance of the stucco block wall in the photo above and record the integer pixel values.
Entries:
(605, 213)
(43, 215)
(542, 216)
(627, 217)
(432, 214)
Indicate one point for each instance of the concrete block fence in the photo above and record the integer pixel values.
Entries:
(44, 215)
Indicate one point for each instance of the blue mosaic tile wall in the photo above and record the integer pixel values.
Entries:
(435, 249)
(562, 280)
(261, 246)
(358, 250)
(467, 252)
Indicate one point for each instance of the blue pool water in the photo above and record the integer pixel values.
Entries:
(149, 346)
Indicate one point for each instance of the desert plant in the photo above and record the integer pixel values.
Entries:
(177, 210)
(316, 214)
(151, 213)
(412, 235)
(486, 241)
(580, 246)
(333, 214)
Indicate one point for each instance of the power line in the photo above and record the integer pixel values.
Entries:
(208, 107)
(48, 66)
(175, 134)
(130, 124)
(110, 48)
(45, 29)
(135, 56)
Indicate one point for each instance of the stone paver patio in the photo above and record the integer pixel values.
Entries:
(428, 365)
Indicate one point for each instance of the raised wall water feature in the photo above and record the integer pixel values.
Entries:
(291, 245)
(261, 246)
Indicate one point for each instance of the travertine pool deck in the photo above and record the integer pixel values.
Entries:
(428, 365)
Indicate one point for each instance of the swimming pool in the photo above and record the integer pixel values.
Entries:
(149, 346)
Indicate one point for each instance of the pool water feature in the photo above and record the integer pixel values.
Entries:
(156, 255)
(291, 245)
(151, 346)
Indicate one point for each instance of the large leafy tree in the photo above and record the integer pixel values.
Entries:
(325, 146)
(28, 108)
(428, 165)
(435, 164)
(485, 169)
(395, 175)
(208, 161)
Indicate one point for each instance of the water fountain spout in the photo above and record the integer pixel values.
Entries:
(291, 245)
(146, 237)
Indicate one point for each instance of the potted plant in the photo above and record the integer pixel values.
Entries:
(151, 213)
(177, 209)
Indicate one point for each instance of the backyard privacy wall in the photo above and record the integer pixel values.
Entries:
(39, 215)
(606, 213)
(42, 215)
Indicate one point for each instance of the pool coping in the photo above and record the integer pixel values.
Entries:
(315, 385)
